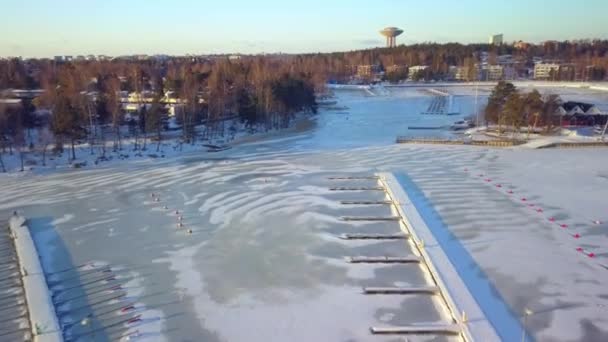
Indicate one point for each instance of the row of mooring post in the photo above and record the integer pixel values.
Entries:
(180, 224)
(525, 201)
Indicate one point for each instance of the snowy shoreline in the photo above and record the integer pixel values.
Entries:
(599, 86)
(170, 147)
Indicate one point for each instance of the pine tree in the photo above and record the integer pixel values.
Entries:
(67, 120)
(497, 100)
(154, 118)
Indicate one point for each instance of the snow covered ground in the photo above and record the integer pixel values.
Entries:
(263, 262)
(171, 145)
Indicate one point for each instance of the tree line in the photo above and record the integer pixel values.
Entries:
(340, 66)
(84, 100)
(508, 107)
(85, 97)
(589, 59)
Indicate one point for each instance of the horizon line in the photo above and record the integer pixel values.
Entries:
(262, 53)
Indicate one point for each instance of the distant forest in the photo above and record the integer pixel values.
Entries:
(582, 54)
(321, 67)
(85, 97)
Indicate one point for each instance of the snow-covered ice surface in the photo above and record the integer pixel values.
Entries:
(263, 262)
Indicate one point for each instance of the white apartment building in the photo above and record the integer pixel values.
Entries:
(542, 71)
(494, 72)
(413, 70)
(496, 39)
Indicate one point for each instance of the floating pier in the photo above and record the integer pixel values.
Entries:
(354, 178)
(401, 290)
(398, 236)
(451, 329)
(373, 188)
(384, 260)
(371, 219)
(365, 202)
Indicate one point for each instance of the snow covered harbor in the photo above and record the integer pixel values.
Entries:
(263, 262)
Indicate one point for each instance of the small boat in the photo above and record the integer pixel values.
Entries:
(217, 148)
(461, 125)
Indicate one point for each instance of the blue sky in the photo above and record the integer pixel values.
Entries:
(35, 28)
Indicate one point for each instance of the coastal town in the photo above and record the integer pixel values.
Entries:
(390, 188)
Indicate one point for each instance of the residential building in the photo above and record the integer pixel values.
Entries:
(368, 70)
(459, 73)
(396, 68)
(496, 39)
(513, 72)
(593, 73)
(505, 60)
(567, 72)
(416, 69)
(133, 102)
(545, 71)
(493, 73)
(581, 113)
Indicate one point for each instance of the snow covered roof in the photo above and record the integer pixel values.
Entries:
(601, 109)
(594, 111)
(571, 105)
(576, 110)
(581, 108)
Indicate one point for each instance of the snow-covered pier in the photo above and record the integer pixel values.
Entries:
(43, 320)
(14, 324)
(454, 316)
(468, 306)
